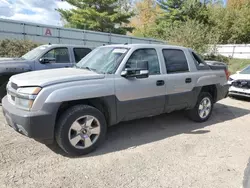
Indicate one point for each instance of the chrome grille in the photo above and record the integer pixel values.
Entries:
(14, 86)
(11, 92)
(245, 84)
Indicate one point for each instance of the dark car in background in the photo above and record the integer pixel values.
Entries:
(43, 57)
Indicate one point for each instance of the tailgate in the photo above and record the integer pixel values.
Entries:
(216, 65)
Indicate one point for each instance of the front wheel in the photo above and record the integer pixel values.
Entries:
(203, 108)
(3, 91)
(80, 130)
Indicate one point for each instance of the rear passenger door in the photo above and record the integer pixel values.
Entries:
(80, 53)
(179, 82)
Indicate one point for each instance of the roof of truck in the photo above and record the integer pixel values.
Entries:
(66, 45)
(146, 46)
(119, 45)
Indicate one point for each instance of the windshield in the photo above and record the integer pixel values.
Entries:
(246, 70)
(33, 54)
(103, 60)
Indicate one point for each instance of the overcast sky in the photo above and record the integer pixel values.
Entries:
(39, 11)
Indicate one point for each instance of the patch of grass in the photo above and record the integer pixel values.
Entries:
(237, 64)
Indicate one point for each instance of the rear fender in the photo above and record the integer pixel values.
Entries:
(207, 80)
(212, 78)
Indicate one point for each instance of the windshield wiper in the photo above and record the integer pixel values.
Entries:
(77, 67)
(88, 68)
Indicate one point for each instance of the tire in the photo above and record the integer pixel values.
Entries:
(66, 132)
(194, 114)
(3, 91)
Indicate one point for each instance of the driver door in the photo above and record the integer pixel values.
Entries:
(140, 97)
(59, 58)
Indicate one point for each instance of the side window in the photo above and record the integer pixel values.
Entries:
(175, 61)
(148, 55)
(80, 53)
(60, 55)
(198, 60)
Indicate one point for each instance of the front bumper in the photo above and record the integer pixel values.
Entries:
(38, 125)
(239, 91)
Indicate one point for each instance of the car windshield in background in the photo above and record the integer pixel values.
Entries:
(103, 60)
(33, 54)
(246, 70)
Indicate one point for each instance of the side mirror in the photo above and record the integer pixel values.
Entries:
(237, 72)
(141, 71)
(47, 60)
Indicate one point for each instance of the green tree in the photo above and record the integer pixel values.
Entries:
(173, 10)
(196, 10)
(101, 15)
(241, 26)
(233, 24)
(182, 10)
(177, 12)
(183, 22)
(191, 34)
(194, 23)
(237, 3)
(144, 22)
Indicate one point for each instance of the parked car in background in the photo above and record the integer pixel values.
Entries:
(49, 56)
(240, 83)
(112, 84)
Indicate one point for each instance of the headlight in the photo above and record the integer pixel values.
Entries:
(29, 90)
(230, 79)
(26, 96)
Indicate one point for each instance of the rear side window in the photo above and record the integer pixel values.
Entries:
(175, 61)
(80, 53)
(198, 60)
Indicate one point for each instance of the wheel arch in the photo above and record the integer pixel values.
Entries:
(106, 105)
(212, 89)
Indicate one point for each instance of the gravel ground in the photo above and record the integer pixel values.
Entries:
(163, 151)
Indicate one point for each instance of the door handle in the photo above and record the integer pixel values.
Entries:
(66, 66)
(160, 82)
(188, 80)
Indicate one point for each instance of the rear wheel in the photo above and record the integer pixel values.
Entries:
(80, 130)
(203, 109)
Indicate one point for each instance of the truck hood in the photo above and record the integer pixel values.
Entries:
(240, 77)
(10, 60)
(10, 66)
(53, 76)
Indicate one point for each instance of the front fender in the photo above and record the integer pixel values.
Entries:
(14, 68)
(79, 92)
(71, 91)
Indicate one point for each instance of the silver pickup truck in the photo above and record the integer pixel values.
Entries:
(74, 106)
